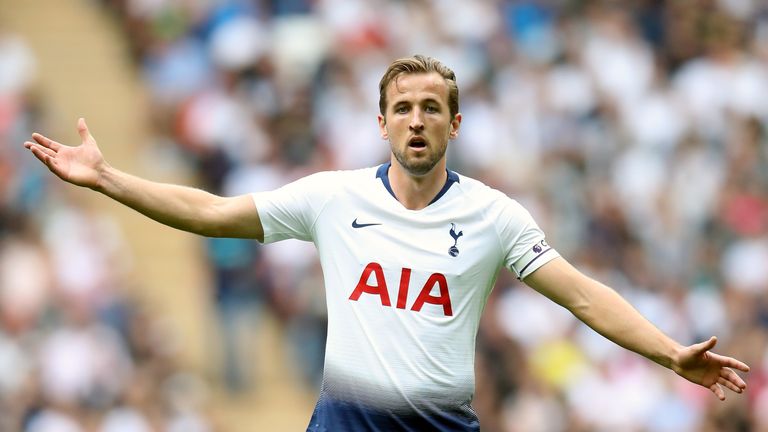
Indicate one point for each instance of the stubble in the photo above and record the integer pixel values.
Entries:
(418, 165)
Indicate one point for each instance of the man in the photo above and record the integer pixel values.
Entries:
(410, 252)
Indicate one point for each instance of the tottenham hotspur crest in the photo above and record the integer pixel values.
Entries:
(453, 250)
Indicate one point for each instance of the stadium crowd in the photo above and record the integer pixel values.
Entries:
(77, 353)
(635, 132)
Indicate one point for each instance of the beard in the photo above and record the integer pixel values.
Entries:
(421, 165)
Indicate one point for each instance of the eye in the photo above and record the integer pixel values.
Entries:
(402, 109)
(431, 109)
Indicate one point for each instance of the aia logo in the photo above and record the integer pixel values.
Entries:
(453, 250)
(379, 288)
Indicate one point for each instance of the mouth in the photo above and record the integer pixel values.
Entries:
(417, 143)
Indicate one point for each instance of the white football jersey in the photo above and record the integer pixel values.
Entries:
(405, 290)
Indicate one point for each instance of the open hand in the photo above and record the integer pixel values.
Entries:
(698, 364)
(81, 165)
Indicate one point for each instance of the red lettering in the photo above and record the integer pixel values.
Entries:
(379, 288)
(402, 294)
(425, 296)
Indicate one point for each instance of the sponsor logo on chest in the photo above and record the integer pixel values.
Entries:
(435, 290)
(372, 282)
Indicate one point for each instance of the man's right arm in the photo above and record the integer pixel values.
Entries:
(180, 207)
(183, 207)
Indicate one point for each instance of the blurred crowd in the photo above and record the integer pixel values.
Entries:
(635, 132)
(77, 352)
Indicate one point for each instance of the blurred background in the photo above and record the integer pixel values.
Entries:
(636, 132)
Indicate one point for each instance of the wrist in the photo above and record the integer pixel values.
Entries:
(103, 175)
(673, 359)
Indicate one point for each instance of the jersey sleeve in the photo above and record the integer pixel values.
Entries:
(523, 242)
(292, 210)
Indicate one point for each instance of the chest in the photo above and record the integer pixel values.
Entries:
(457, 241)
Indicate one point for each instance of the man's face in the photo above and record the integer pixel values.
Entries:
(418, 122)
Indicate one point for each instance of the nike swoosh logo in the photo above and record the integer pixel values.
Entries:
(362, 225)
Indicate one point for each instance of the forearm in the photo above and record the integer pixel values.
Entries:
(612, 316)
(181, 207)
(604, 310)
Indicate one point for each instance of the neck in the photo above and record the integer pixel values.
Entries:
(416, 192)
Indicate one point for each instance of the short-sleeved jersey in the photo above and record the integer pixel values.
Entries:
(405, 290)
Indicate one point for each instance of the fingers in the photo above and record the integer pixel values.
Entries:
(45, 142)
(718, 391)
(44, 155)
(733, 363)
(38, 152)
(706, 345)
(82, 129)
(729, 362)
(730, 385)
(730, 380)
(38, 148)
(702, 347)
(732, 377)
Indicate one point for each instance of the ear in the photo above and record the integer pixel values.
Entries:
(383, 127)
(455, 123)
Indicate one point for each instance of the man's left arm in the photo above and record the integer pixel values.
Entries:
(605, 311)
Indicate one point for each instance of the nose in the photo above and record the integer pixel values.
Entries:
(417, 123)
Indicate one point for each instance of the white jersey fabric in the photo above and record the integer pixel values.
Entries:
(405, 290)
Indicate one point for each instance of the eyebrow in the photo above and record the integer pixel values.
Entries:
(407, 101)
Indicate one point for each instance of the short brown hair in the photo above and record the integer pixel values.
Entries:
(414, 65)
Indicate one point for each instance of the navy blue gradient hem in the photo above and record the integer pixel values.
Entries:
(337, 416)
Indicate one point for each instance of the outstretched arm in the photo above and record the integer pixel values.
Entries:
(609, 314)
(181, 207)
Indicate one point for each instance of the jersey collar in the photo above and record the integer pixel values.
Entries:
(383, 174)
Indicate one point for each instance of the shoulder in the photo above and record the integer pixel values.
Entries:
(329, 181)
(496, 204)
(482, 193)
(292, 210)
(347, 175)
